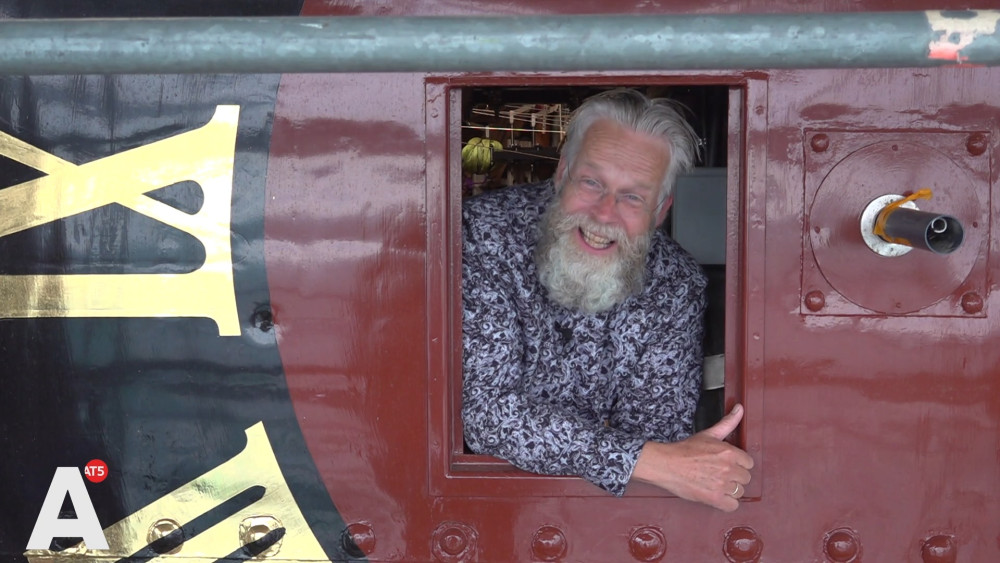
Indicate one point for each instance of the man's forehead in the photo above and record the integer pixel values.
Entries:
(610, 148)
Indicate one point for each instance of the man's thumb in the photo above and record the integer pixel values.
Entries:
(726, 426)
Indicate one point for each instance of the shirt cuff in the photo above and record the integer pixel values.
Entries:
(615, 459)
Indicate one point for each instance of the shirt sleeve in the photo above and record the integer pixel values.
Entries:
(499, 418)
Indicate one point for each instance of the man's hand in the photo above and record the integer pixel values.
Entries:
(702, 468)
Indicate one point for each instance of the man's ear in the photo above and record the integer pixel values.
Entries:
(560, 170)
(661, 215)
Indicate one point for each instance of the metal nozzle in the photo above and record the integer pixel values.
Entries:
(892, 225)
(941, 234)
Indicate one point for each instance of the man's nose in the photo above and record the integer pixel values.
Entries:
(605, 208)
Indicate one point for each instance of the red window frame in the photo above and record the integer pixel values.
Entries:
(455, 473)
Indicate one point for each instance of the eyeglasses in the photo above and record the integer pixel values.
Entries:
(591, 191)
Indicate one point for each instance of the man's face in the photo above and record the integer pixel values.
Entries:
(595, 238)
(615, 182)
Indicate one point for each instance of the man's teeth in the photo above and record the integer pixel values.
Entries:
(596, 241)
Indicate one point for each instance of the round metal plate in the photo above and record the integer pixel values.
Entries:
(899, 284)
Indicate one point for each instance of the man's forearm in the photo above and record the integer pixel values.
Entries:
(547, 440)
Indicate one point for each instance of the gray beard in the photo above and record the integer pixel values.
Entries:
(581, 281)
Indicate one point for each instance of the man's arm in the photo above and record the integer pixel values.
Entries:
(661, 399)
(545, 439)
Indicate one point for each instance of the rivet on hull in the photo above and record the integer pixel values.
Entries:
(548, 544)
(939, 549)
(842, 545)
(454, 541)
(972, 303)
(261, 529)
(647, 544)
(160, 530)
(742, 545)
(819, 143)
(815, 300)
(977, 144)
(358, 539)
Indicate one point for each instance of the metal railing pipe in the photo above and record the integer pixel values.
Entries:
(481, 44)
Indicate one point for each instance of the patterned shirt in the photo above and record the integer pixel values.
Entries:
(561, 392)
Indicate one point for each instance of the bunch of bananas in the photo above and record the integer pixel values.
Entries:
(477, 155)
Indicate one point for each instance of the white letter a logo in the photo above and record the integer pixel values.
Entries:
(85, 525)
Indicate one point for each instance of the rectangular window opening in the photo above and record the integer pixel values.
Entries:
(501, 135)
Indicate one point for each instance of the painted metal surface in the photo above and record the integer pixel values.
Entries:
(132, 282)
(890, 396)
(477, 44)
(875, 428)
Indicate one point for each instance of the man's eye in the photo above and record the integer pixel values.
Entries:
(633, 199)
(591, 184)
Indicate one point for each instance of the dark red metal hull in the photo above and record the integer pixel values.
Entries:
(872, 385)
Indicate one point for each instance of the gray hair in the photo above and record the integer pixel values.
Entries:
(657, 117)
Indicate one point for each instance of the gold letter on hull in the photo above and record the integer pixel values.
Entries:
(204, 155)
(275, 513)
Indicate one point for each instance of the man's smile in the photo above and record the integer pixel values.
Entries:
(594, 240)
